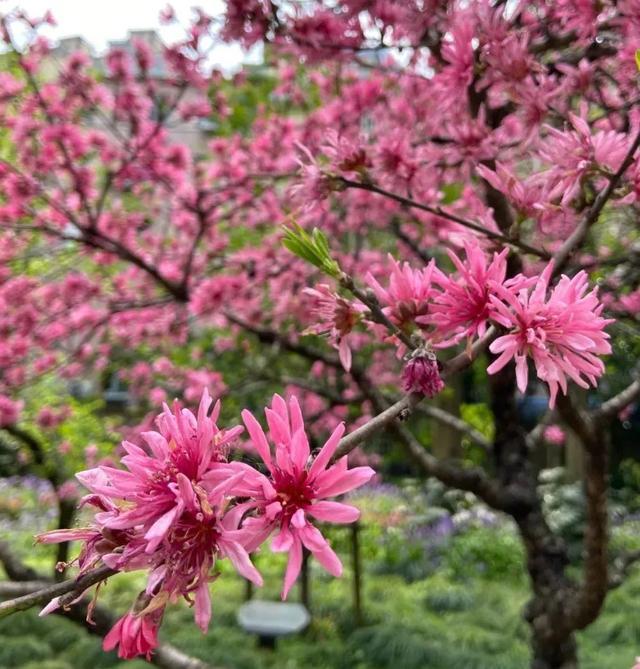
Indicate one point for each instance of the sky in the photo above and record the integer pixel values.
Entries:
(99, 21)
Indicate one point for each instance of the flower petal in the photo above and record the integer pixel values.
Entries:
(293, 566)
(334, 512)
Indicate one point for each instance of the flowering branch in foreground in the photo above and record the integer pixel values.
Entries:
(180, 505)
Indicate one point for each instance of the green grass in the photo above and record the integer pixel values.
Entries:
(460, 608)
(444, 621)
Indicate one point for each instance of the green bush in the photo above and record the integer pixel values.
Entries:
(493, 553)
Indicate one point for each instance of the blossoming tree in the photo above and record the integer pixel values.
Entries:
(431, 185)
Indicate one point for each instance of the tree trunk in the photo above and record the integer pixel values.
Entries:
(562, 656)
(553, 642)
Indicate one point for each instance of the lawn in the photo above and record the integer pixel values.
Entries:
(463, 611)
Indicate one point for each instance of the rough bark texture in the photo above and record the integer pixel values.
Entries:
(553, 643)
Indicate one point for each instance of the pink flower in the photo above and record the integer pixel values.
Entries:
(336, 317)
(170, 510)
(554, 434)
(9, 411)
(573, 154)
(315, 184)
(563, 334)
(421, 374)
(167, 15)
(348, 157)
(463, 307)
(297, 487)
(134, 634)
(408, 294)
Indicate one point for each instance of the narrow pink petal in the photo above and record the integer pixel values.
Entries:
(282, 542)
(312, 538)
(279, 407)
(157, 443)
(330, 561)
(503, 343)
(53, 605)
(57, 536)
(278, 427)
(300, 449)
(203, 408)
(334, 512)
(186, 493)
(344, 482)
(326, 452)
(500, 362)
(216, 412)
(283, 458)
(344, 353)
(232, 518)
(522, 374)
(258, 437)
(225, 487)
(155, 578)
(132, 449)
(112, 639)
(240, 560)
(298, 520)
(203, 606)
(124, 521)
(293, 567)
(297, 421)
(156, 533)
(273, 510)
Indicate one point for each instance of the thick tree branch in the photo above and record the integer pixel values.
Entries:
(66, 590)
(16, 570)
(455, 474)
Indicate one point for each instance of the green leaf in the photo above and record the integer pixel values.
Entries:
(638, 59)
(313, 248)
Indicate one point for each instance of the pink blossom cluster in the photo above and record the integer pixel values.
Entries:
(180, 503)
(534, 134)
(560, 329)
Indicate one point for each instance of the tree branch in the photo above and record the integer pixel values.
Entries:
(454, 474)
(404, 406)
(443, 213)
(456, 423)
(164, 656)
(377, 314)
(618, 402)
(66, 590)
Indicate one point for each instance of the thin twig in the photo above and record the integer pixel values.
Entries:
(443, 213)
(618, 402)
